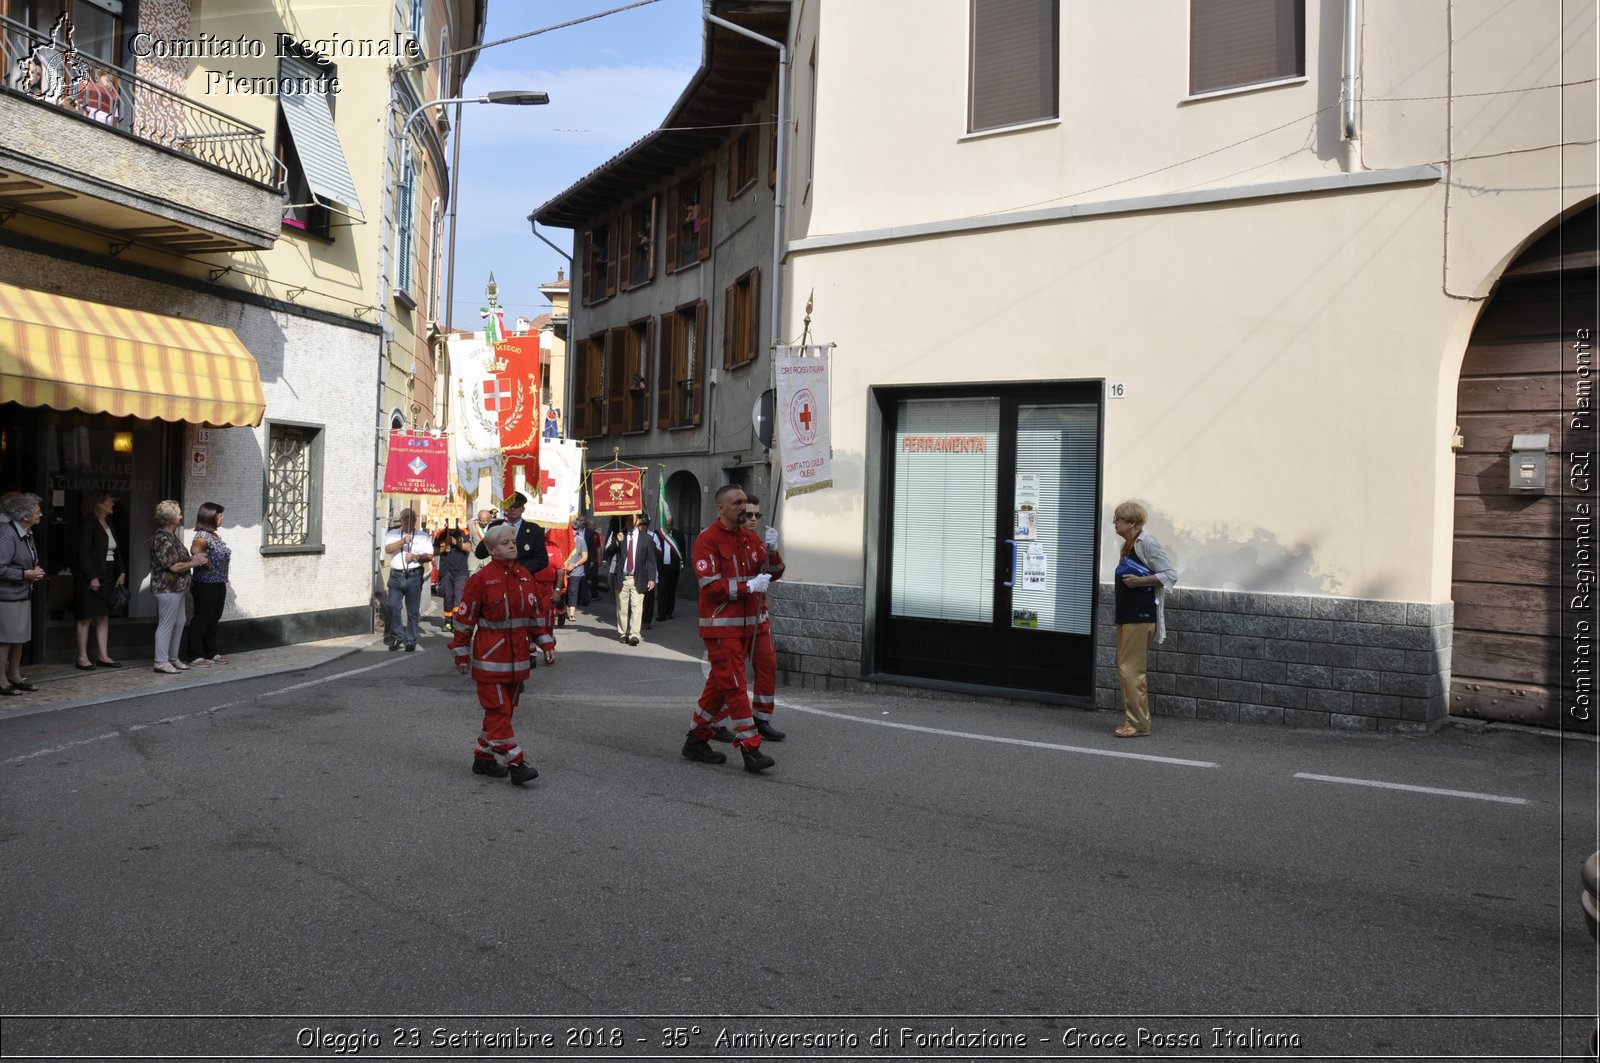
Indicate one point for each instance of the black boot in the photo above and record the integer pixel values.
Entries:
(755, 760)
(768, 732)
(522, 772)
(722, 734)
(699, 749)
(490, 768)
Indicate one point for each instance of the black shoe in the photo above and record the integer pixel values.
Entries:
(699, 749)
(722, 734)
(522, 772)
(411, 647)
(109, 664)
(491, 768)
(634, 641)
(9, 692)
(755, 760)
(393, 646)
(24, 686)
(768, 732)
(83, 667)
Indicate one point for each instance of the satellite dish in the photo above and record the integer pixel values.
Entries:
(761, 416)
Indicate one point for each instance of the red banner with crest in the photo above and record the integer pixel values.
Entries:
(617, 492)
(418, 464)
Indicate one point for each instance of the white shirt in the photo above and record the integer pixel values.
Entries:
(664, 541)
(406, 558)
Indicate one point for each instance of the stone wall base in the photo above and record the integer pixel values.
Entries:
(1288, 660)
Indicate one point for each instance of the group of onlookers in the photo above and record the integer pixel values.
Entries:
(178, 572)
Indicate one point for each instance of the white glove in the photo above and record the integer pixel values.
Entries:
(758, 584)
(771, 538)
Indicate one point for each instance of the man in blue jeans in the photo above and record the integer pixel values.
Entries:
(409, 550)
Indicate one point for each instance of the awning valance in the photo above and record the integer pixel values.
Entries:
(72, 354)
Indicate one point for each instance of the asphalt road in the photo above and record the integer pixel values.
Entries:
(301, 862)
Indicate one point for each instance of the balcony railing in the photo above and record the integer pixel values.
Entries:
(46, 68)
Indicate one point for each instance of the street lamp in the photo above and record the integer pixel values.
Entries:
(509, 97)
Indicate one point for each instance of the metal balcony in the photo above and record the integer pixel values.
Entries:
(99, 146)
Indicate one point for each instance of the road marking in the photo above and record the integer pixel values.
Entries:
(1003, 741)
(1413, 789)
(190, 715)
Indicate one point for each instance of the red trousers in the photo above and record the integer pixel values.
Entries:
(766, 668)
(496, 741)
(725, 694)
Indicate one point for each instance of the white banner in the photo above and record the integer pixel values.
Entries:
(560, 477)
(474, 429)
(805, 443)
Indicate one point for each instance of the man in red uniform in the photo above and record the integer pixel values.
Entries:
(727, 565)
(497, 627)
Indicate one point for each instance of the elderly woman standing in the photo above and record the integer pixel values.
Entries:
(1142, 579)
(170, 565)
(19, 571)
(102, 567)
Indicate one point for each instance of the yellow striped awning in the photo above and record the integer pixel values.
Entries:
(72, 354)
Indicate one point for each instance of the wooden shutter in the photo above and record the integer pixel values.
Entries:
(613, 237)
(650, 222)
(589, 251)
(705, 215)
(577, 417)
(616, 379)
(594, 386)
(730, 324)
(697, 358)
(647, 367)
(1015, 49)
(674, 220)
(625, 252)
(667, 369)
(1245, 42)
(752, 310)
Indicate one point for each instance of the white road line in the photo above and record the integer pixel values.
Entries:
(1413, 789)
(207, 712)
(996, 738)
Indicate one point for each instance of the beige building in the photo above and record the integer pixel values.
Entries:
(200, 200)
(1291, 273)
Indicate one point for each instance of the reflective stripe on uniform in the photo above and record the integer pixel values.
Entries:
(502, 625)
(523, 665)
(709, 580)
(730, 621)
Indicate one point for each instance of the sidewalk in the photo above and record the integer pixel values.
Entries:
(65, 687)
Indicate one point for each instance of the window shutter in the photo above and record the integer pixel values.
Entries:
(625, 254)
(1245, 42)
(705, 215)
(1015, 49)
(753, 310)
(647, 359)
(616, 380)
(674, 220)
(595, 387)
(590, 249)
(697, 358)
(650, 270)
(666, 369)
(613, 232)
(579, 415)
(730, 325)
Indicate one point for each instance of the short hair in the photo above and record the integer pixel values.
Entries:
(752, 500)
(167, 511)
(92, 500)
(19, 504)
(497, 535)
(725, 490)
(208, 516)
(1133, 513)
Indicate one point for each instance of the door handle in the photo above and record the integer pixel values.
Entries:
(1013, 544)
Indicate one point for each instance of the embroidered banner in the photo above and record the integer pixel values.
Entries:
(805, 443)
(419, 464)
(553, 490)
(617, 492)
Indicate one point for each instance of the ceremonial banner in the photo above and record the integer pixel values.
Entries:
(419, 464)
(559, 476)
(617, 492)
(474, 432)
(521, 415)
(805, 444)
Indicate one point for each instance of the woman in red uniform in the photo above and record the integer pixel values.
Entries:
(497, 626)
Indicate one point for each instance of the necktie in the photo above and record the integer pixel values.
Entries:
(633, 551)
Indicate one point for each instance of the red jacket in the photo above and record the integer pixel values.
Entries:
(774, 567)
(497, 623)
(724, 562)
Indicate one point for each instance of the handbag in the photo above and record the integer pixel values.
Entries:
(119, 597)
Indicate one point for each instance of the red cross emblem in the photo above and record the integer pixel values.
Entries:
(496, 396)
(805, 415)
(546, 481)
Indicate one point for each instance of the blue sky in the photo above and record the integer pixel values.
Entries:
(610, 81)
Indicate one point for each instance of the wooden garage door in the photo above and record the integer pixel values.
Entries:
(1518, 377)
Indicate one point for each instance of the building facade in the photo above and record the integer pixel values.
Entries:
(1298, 274)
(194, 285)
(669, 319)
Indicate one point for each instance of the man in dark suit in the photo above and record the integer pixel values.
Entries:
(531, 551)
(636, 565)
(670, 546)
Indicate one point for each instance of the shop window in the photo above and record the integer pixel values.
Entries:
(1237, 43)
(1015, 67)
(741, 163)
(639, 244)
(689, 221)
(293, 511)
(599, 263)
(741, 325)
(681, 388)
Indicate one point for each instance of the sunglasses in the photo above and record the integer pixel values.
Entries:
(749, 515)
